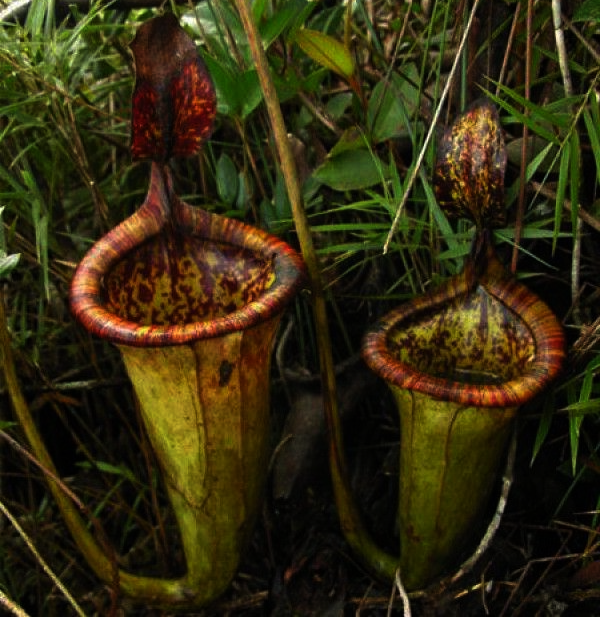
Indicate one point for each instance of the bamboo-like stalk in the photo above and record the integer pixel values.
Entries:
(356, 534)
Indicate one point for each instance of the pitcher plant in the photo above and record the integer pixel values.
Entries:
(460, 361)
(192, 300)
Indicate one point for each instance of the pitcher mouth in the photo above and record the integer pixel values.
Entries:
(173, 274)
(481, 339)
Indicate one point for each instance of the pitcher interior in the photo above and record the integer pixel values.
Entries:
(174, 279)
(473, 339)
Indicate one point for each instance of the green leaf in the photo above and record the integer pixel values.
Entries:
(358, 228)
(116, 470)
(276, 214)
(530, 231)
(543, 427)
(584, 407)
(560, 192)
(8, 263)
(40, 19)
(385, 115)
(575, 421)
(282, 18)
(338, 104)
(258, 9)
(249, 92)
(238, 94)
(300, 18)
(540, 155)
(587, 11)
(227, 179)
(577, 409)
(440, 217)
(593, 131)
(539, 120)
(574, 177)
(391, 104)
(281, 202)
(351, 139)
(351, 170)
(244, 194)
(216, 26)
(326, 51)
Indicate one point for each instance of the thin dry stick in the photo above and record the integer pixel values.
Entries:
(509, 46)
(11, 606)
(403, 595)
(587, 340)
(95, 554)
(286, 158)
(14, 7)
(290, 175)
(563, 63)
(48, 472)
(432, 126)
(561, 48)
(584, 215)
(585, 42)
(40, 560)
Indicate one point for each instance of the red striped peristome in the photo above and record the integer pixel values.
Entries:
(546, 333)
(163, 214)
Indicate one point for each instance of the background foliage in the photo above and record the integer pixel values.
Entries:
(360, 85)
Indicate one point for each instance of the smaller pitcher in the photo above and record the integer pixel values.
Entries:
(460, 361)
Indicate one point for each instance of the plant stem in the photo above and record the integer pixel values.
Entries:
(563, 62)
(11, 606)
(350, 520)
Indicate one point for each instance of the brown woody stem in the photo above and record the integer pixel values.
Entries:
(356, 534)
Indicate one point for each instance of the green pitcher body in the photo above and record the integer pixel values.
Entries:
(460, 361)
(192, 300)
